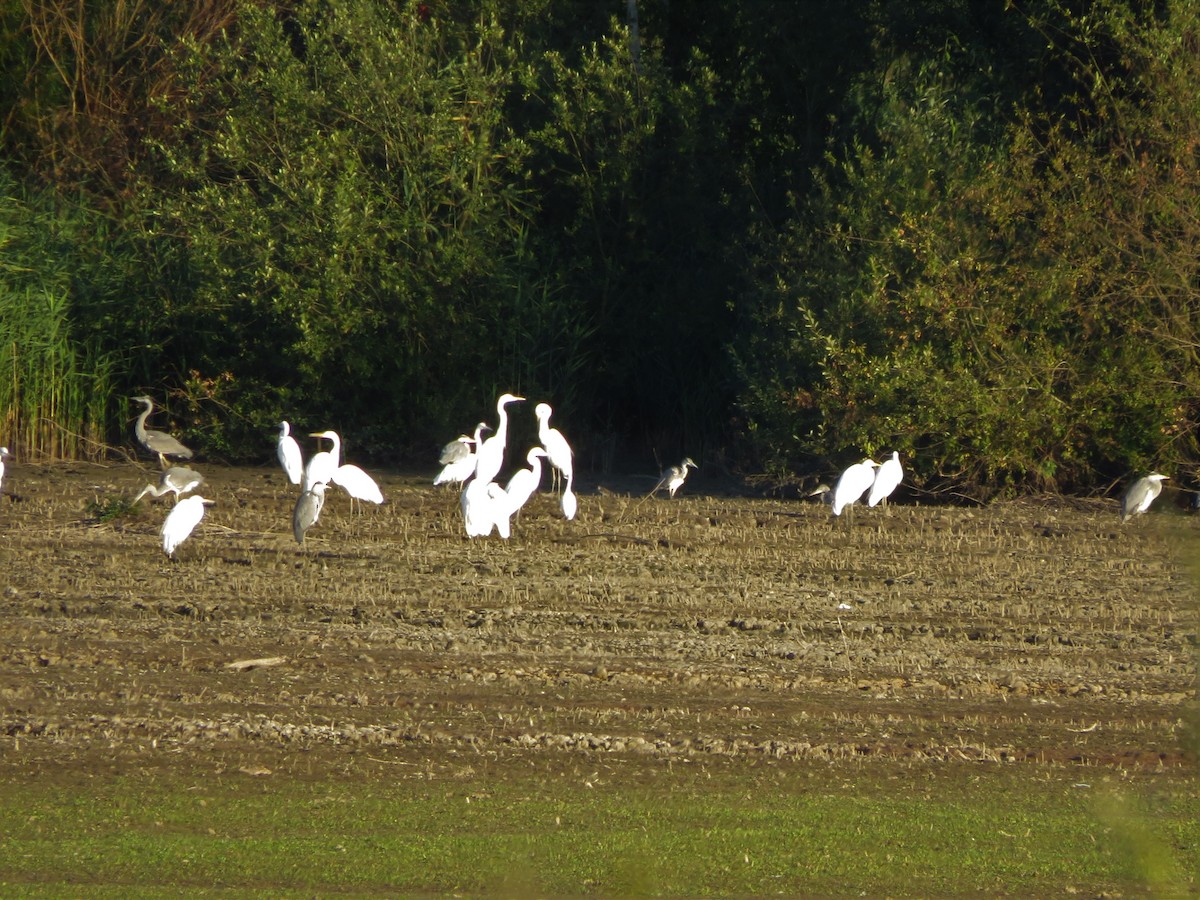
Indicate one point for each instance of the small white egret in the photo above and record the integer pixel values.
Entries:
(458, 466)
(558, 451)
(1140, 495)
(158, 442)
(288, 452)
(525, 482)
(183, 517)
(674, 476)
(4, 454)
(887, 478)
(177, 480)
(489, 456)
(357, 483)
(323, 464)
(308, 510)
(854, 482)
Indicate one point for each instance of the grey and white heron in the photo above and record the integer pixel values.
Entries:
(177, 480)
(558, 451)
(458, 457)
(674, 476)
(181, 520)
(887, 478)
(489, 455)
(853, 483)
(308, 510)
(288, 453)
(1140, 495)
(158, 442)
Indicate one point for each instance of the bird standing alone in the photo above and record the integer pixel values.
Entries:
(158, 442)
(177, 480)
(674, 476)
(288, 452)
(559, 454)
(183, 517)
(1140, 495)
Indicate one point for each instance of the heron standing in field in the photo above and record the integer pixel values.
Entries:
(308, 510)
(158, 442)
(853, 483)
(525, 482)
(559, 455)
(324, 463)
(887, 478)
(458, 457)
(177, 480)
(674, 476)
(288, 453)
(489, 456)
(1140, 495)
(183, 517)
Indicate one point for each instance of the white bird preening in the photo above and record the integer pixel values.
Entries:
(887, 478)
(674, 476)
(853, 483)
(458, 458)
(158, 442)
(180, 521)
(1140, 495)
(288, 452)
(308, 510)
(177, 480)
(489, 455)
(559, 455)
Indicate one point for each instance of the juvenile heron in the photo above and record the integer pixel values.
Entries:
(887, 478)
(158, 442)
(674, 476)
(458, 458)
(308, 510)
(288, 452)
(1140, 495)
(183, 517)
(853, 483)
(177, 480)
(558, 451)
(489, 456)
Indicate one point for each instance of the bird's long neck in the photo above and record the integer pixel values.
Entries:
(140, 428)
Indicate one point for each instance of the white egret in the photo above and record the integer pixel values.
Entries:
(501, 509)
(525, 482)
(569, 503)
(887, 478)
(4, 454)
(183, 517)
(1140, 495)
(323, 464)
(158, 442)
(674, 476)
(482, 505)
(489, 456)
(459, 466)
(357, 483)
(177, 480)
(558, 451)
(308, 510)
(855, 482)
(288, 452)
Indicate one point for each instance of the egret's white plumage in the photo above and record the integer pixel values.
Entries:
(308, 510)
(674, 476)
(558, 451)
(322, 465)
(158, 442)
(177, 480)
(461, 466)
(288, 452)
(489, 455)
(357, 483)
(4, 454)
(887, 478)
(483, 505)
(853, 483)
(569, 503)
(525, 481)
(181, 520)
(501, 510)
(1140, 495)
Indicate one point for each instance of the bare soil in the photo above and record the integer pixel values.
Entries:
(1033, 633)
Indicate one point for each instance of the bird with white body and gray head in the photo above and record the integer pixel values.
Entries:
(157, 442)
(180, 521)
(177, 480)
(1140, 495)
(674, 476)
(458, 457)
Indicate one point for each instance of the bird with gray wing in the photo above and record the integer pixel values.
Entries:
(177, 480)
(674, 476)
(1140, 495)
(308, 510)
(157, 442)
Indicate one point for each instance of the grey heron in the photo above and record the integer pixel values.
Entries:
(458, 466)
(308, 510)
(180, 521)
(288, 453)
(887, 478)
(489, 456)
(1140, 495)
(853, 483)
(674, 476)
(158, 442)
(177, 480)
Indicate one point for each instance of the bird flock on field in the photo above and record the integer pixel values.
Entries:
(472, 463)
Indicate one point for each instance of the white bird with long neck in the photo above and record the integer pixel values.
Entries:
(158, 442)
(673, 477)
(489, 456)
(887, 478)
(288, 453)
(322, 465)
(559, 454)
(853, 483)
(525, 482)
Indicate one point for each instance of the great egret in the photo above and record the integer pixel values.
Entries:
(288, 452)
(158, 442)
(4, 454)
(674, 476)
(569, 503)
(525, 481)
(855, 482)
(177, 480)
(1140, 495)
(183, 517)
(323, 464)
(483, 505)
(887, 478)
(458, 466)
(357, 483)
(489, 456)
(308, 510)
(558, 451)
